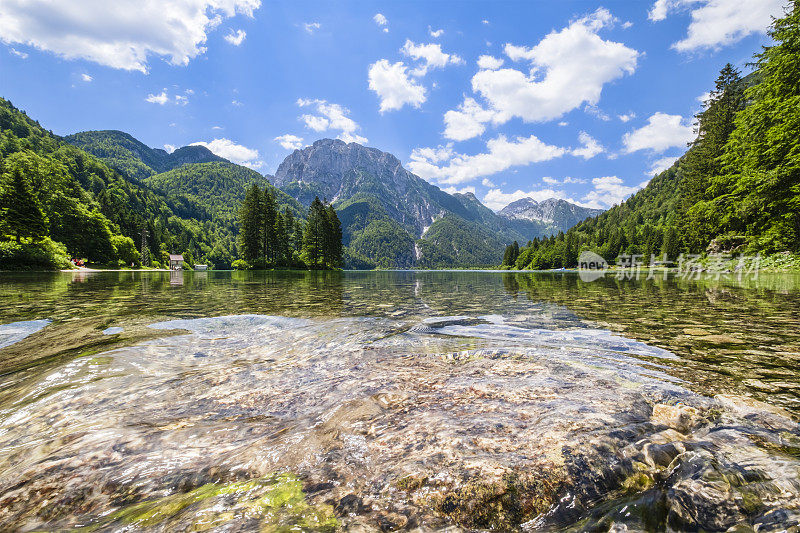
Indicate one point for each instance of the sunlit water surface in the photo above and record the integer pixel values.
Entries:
(397, 400)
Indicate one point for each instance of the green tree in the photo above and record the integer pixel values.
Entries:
(22, 214)
(333, 239)
(251, 231)
(314, 235)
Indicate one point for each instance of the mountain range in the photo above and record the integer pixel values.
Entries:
(391, 218)
(188, 199)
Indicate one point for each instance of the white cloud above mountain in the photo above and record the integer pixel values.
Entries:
(608, 191)
(235, 153)
(331, 117)
(452, 168)
(394, 87)
(289, 141)
(429, 55)
(661, 132)
(123, 34)
(567, 69)
(496, 199)
(718, 23)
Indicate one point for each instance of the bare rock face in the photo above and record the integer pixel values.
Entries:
(559, 214)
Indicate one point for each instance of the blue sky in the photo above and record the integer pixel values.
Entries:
(581, 100)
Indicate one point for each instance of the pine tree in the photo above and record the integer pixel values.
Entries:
(313, 236)
(334, 228)
(269, 240)
(762, 159)
(251, 225)
(22, 214)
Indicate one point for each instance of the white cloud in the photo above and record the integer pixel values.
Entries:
(233, 152)
(660, 165)
(181, 99)
(431, 56)
(485, 21)
(661, 132)
(393, 86)
(236, 37)
(435, 33)
(456, 190)
(627, 24)
(380, 20)
(467, 121)
(627, 116)
(596, 112)
(486, 182)
(719, 23)
(159, 99)
(17, 53)
(555, 181)
(216, 127)
(568, 68)
(290, 142)
(487, 62)
(311, 27)
(87, 78)
(591, 147)
(122, 34)
(501, 155)
(608, 191)
(331, 117)
(563, 123)
(236, 103)
(170, 148)
(496, 199)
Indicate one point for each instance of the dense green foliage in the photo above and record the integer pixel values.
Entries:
(737, 188)
(271, 238)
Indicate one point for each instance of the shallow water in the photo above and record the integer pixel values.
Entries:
(397, 400)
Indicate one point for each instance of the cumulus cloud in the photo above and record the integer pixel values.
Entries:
(609, 191)
(289, 141)
(456, 190)
(333, 118)
(236, 37)
(662, 131)
(435, 33)
(486, 182)
(660, 165)
(467, 121)
(122, 34)
(233, 152)
(627, 117)
(590, 146)
(393, 86)
(567, 69)
(311, 27)
(382, 21)
(487, 62)
(160, 99)
(501, 154)
(496, 199)
(719, 23)
(430, 55)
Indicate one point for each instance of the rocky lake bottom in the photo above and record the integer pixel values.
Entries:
(397, 401)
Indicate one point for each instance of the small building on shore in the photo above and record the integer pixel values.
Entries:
(175, 262)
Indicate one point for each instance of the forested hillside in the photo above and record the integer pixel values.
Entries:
(737, 188)
(57, 201)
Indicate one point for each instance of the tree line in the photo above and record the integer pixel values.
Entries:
(736, 189)
(269, 237)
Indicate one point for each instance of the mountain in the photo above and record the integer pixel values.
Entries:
(391, 217)
(133, 158)
(556, 214)
(736, 191)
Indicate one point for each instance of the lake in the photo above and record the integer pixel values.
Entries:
(238, 401)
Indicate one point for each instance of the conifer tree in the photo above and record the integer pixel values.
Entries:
(313, 235)
(334, 228)
(269, 240)
(251, 225)
(22, 214)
